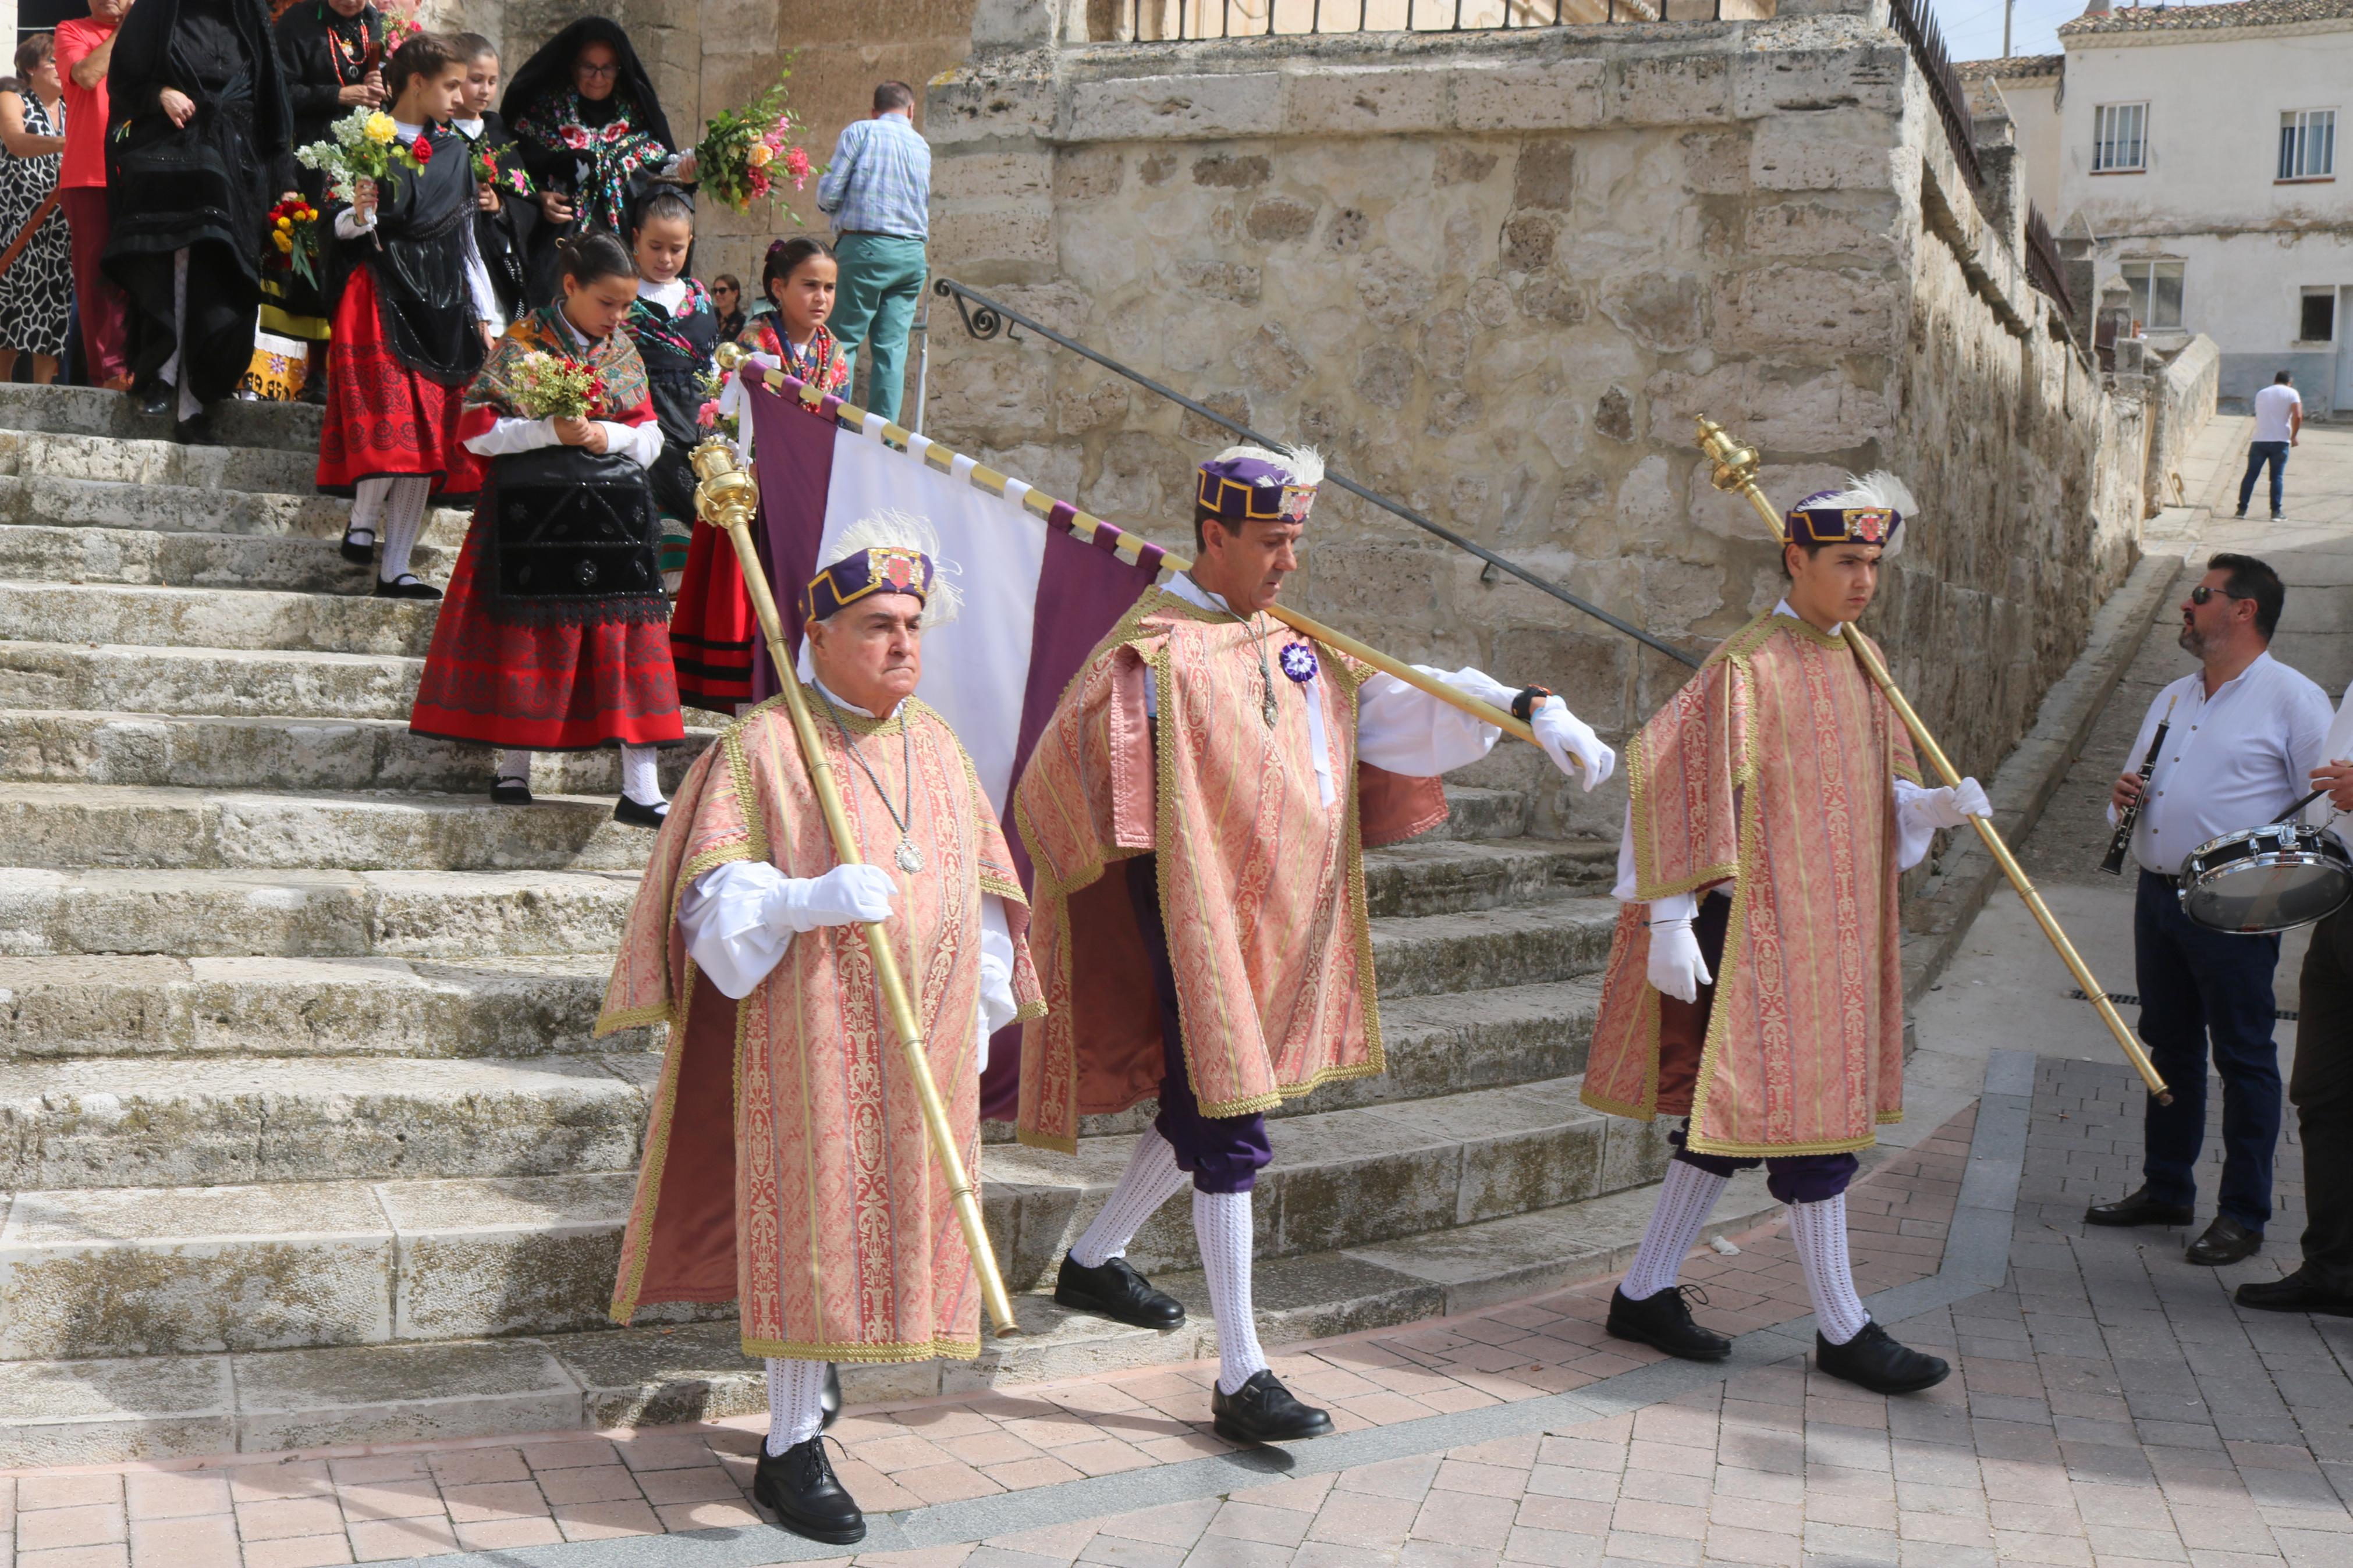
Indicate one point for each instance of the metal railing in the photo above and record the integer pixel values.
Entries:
(984, 318)
(2043, 270)
(1918, 30)
(1152, 21)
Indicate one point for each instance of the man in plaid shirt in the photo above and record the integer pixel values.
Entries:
(878, 190)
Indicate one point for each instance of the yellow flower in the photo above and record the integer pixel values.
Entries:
(380, 128)
(285, 223)
(759, 155)
(285, 241)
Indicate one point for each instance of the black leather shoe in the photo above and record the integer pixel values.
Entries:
(828, 1399)
(809, 1499)
(196, 431)
(2299, 1293)
(156, 401)
(358, 546)
(1264, 1411)
(629, 811)
(2138, 1208)
(1664, 1321)
(509, 791)
(407, 585)
(1118, 1292)
(1873, 1360)
(2226, 1241)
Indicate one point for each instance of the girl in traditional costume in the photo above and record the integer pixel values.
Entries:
(675, 327)
(553, 636)
(409, 330)
(712, 635)
(506, 214)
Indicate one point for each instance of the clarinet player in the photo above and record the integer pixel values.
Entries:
(2245, 730)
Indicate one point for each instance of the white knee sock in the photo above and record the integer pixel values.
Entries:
(640, 781)
(368, 498)
(1684, 1203)
(176, 369)
(1150, 1180)
(794, 1416)
(515, 764)
(404, 520)
(1221, 1222)
(1819, 1231)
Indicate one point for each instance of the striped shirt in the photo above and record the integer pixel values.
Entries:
(879, 180)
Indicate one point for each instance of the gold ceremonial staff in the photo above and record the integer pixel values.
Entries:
(1736, 469)
(726, 499)
(1039, 505)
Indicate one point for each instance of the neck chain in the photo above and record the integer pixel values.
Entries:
(1265, 671)
(910, 859)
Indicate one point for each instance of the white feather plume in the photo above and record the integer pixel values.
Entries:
(1303, 464)
(1876, 489)
(891, 529)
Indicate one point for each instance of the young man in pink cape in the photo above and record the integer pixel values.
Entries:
(1227, 967)
(786, 1165)
(1756, 982)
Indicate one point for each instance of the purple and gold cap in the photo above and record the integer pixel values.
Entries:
(1870, 510)
(1254, 484)
(888, 553)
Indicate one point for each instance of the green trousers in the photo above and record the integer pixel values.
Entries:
(882, 279)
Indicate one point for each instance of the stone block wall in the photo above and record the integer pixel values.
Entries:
(1496, 277)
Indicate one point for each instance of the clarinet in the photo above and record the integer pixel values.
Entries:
(2121, 843)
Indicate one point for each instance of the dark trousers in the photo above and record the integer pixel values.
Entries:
(2205, 991)
(2258, 454)
(1224, 1154)
(2321, 1087)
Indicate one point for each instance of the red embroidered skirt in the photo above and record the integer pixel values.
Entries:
(551, 687)
(384, 420)
(712, 630)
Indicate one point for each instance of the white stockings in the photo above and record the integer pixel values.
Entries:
(1221, 1222)
(1819, 1231)
(514, 765)
(795, 1413)
(1685, 1200)
(1150, 1180)
(640, 781)
(404, 520)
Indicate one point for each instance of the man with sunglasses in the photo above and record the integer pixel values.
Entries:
(2246, 731)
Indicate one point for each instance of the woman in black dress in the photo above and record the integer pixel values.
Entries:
(332, 54)
(506, 215)
(200, 122)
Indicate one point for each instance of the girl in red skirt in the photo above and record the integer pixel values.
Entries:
(408, 331)
(712, 634)
(553, 636)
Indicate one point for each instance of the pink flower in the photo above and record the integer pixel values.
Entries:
(575, 137)
(615, 132)
(708, 415)
(797, 164)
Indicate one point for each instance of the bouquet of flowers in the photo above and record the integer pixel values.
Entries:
(294, 232)
(546, 386)
(713, 384)
(362, 145)
(745, 151)
(507, 180)
(401, 23)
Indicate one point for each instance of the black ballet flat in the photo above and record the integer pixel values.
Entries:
(626, 810)
(196, 431)
(509, 791)
(354, 551)
(409, 585)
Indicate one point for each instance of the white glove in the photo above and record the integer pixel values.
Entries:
(1562, 735)
(846, 895)
(1953, 806)
(1676, 968)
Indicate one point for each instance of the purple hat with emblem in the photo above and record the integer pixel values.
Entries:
(1254, 484)
(1870, 510)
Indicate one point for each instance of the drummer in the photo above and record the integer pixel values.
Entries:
(2246, 729)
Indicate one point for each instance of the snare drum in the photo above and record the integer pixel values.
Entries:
(2269, 878)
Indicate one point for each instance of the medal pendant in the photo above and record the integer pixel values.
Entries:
(1266, 711)
(910, 859)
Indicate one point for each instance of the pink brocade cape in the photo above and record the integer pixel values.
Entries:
(786, 1163)
(1261, 885)
(1772, 767)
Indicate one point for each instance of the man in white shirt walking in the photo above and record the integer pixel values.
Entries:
(2245, 732)
(2279, 418)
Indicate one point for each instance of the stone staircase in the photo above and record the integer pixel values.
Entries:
(303, 1138)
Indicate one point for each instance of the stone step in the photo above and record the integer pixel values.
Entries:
(92, 411)
(155, 1122)
(68, 826)
(109, 459)
(214, 752)
(104, 1411)
(151, 1005)
(207, 682)
(1487, 949)
(192, 619)
(1475, 813)
(105, 506)
(462, 915)
(88, 1271)
(148, 558)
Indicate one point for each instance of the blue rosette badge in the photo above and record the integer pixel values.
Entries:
(1298, 661)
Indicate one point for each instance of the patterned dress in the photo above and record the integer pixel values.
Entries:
(37, 291)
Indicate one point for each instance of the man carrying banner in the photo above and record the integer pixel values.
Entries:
(1228, 965)
(1755, 980)
(786, 1163)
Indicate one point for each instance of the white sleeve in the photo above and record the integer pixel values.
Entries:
(1407, 730)
(511, 435)
(349, 226)
(1913, 832)
(641, 444)
(724, 917)
(996, 1004)
(1675, 906)
(478, 279)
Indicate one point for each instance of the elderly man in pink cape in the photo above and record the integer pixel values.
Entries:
(787, 1167)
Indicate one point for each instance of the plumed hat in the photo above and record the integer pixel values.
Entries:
(1870, 510)
(890, 551)
(1252, 484)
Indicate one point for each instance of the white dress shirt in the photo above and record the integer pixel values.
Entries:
(2336, 747)
(1914, 831)
(2231, 760)
(349, 226)
(1400, 728)
(641, 444)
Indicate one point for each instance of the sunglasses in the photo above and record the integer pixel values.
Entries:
(2202, 594)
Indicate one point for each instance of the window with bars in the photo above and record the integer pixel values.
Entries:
(2119, 138)
(2155, 294)
(2307, 145)
(2316, 321)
